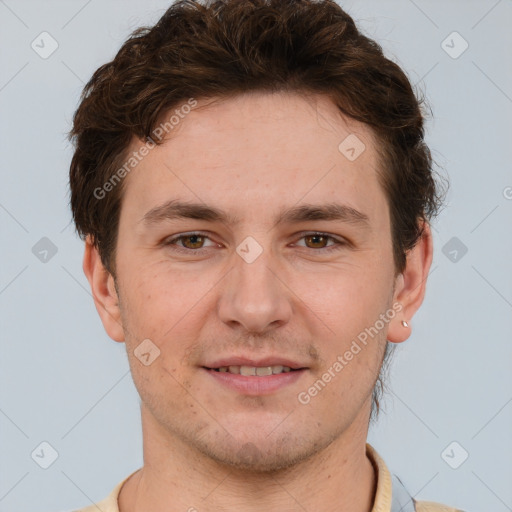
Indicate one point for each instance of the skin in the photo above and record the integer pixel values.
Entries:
(252, 156)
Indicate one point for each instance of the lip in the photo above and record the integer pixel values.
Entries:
(246, 361)
(253, 385)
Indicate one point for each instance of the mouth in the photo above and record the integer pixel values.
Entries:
(255, 380)
(258, 371)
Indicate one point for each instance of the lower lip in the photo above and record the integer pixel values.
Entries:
(253, 385)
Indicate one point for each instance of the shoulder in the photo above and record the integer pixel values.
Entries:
(105, 505)
(91, 508)
(108, 504)
(430, 506)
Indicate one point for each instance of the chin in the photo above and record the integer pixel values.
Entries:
(261, 454)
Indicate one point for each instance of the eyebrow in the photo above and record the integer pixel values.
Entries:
(174, 209)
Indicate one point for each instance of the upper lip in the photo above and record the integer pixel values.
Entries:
(247, 361)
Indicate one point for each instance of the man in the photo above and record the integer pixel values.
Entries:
(253, 187)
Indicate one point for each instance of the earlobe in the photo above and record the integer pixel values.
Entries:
(411, 285)
(103, 291)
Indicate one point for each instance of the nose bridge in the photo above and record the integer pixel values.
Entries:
(252, 295)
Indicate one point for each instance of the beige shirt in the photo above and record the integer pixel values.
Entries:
(390, 496)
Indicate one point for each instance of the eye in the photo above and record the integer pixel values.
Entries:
(189, 241)
(319, 242)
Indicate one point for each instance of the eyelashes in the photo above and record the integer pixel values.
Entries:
(200, 237)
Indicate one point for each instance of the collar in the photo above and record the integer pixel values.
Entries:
(390, 495)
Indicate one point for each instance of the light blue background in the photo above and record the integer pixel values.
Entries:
(65, 382)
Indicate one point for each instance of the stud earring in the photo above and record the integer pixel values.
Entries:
(404, 323)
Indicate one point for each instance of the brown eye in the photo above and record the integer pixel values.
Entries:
(317, 241)
(196, 241)
(189, 242)
(322, 242)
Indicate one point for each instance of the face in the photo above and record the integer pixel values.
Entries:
(284, 260)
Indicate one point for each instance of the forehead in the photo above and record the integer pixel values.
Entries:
(260, 148)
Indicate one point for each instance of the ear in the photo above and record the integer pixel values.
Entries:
(410, 286)
(103, 291)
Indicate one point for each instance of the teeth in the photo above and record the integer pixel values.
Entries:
(264, 370)
(247, 370)
(255, 370)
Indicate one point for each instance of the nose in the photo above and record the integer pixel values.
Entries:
(254, 296)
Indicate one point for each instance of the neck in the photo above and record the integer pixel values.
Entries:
(177, 477)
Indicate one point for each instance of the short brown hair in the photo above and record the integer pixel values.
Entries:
(222, 48)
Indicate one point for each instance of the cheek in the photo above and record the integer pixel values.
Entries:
(345, 305)
(167, 307)
(158, 306)
(156, 294)
(347, 298)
